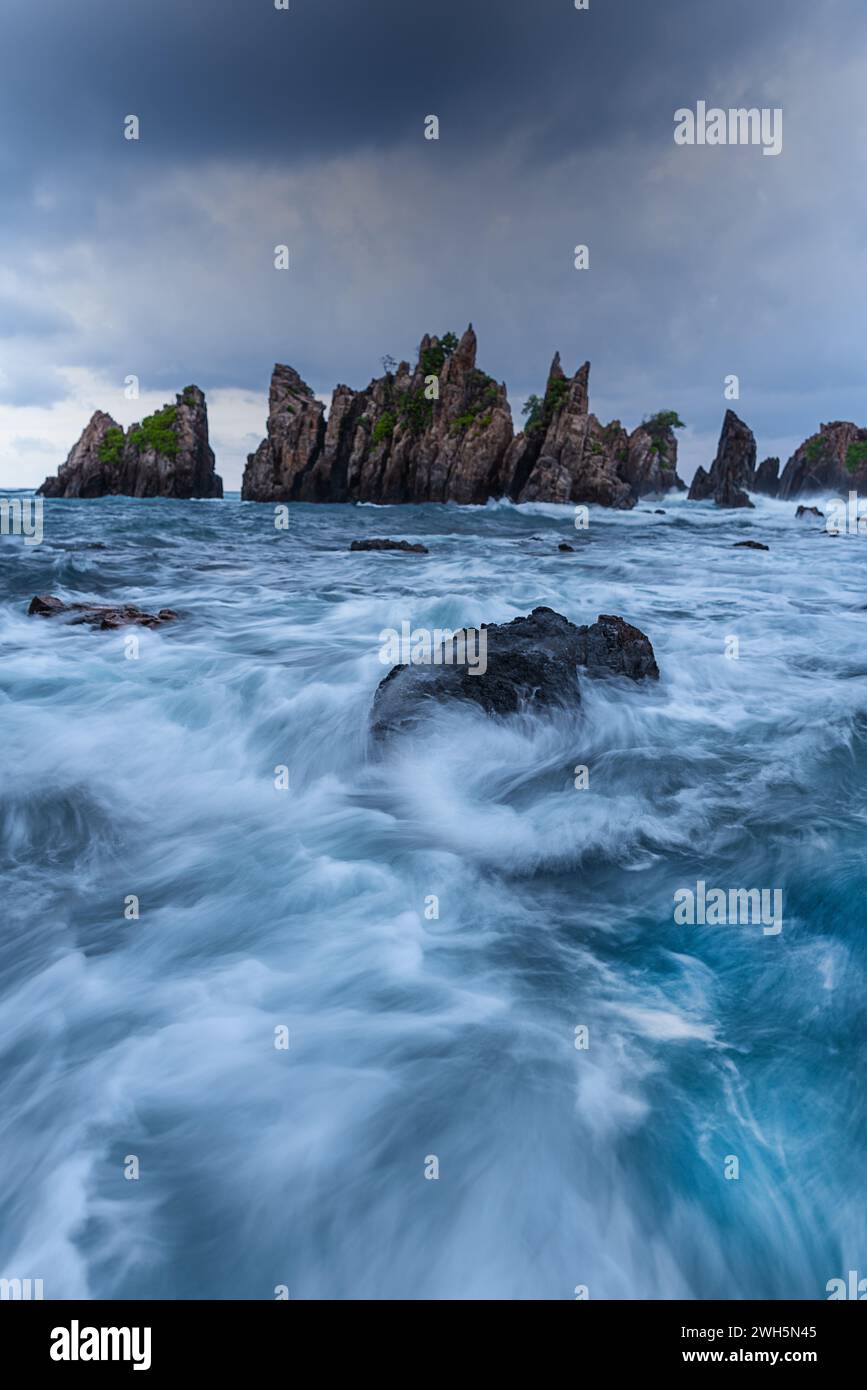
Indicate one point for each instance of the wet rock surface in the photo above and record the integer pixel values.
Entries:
(532, 661)
(104, 616)
(378, 544)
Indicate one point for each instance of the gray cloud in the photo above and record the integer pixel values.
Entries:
(305, 127)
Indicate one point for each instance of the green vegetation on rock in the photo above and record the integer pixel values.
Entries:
(111, 448)
(856, 456)
(663, 420)
(555, 393)
(384, 427)
(532, 408)
(463, 422)
(157, 432)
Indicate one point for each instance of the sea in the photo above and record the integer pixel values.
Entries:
(288, 1012)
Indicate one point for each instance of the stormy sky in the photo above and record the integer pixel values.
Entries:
(306, 127)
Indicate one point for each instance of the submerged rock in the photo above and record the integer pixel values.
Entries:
(104, 616)
(808, 511)
(531, 661)
(377, 544)
(750, 545)
(565, 546)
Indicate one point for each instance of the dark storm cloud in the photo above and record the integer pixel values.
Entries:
(238, 78)
(305, 127)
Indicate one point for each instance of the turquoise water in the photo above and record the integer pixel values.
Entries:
(412, 1036)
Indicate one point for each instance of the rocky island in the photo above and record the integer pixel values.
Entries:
(167, 455)
(442, 431)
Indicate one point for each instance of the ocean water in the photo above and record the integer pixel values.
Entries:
(414, 1037)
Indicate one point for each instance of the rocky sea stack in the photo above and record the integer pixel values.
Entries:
(167, 455)
(442, 431)
(833, 460)
(733, 472)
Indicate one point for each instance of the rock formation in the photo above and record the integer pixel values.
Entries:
(396, 441)
(565, 455)
(100, 615)
(167, 455)
(532, 661)
(833, 460)
(281, 466)
(377, 544)
(732, 472)
(767, 479)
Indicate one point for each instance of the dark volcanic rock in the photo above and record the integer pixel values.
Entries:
(767, 480)
(529, 661)
(167, 455)
(835, 459)
(732, 472)
(104, 616)
(564, 546)
(750, 545)
(808, 511)
(613, 647)
(377, 544)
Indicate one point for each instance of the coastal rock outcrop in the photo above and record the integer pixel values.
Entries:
(435, 432)
(732, 472)
(531, 661)
(834, 460)
(105, 616)
(280, 468)
(442, 431)
(564, 454)
(651, 462)
(167, 455)
(767, 479)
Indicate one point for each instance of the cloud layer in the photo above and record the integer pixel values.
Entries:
(305, 127)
